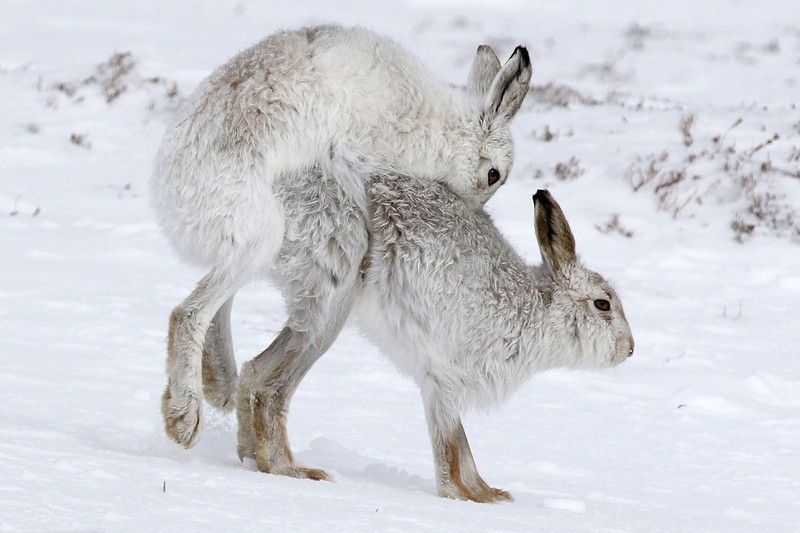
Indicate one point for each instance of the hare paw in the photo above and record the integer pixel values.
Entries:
(221, 394)
(311, 473)
(483, 495)
(295, 471)
(182, 418)
(499, 495)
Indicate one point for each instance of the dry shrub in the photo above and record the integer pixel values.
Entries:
(117, 75)
(80, 139)
(547, 135)
(614, 226)
(558, 95)
(719, 172)
(687, 122)
(636, 34)
(569, 170)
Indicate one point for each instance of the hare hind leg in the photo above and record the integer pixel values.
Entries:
(456, 474)
(219, 363)
(320, 275)
(265, 389)
(268, 382)
(182, 401)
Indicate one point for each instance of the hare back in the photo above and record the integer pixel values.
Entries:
(290, 101)
(445, 295)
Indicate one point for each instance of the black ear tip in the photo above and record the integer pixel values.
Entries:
(483, 48)
(543, 198)
(524, 57)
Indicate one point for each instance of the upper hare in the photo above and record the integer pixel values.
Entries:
(345, 98)
(444, 296)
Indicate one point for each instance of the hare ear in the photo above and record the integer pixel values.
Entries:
(552, 232)
(509, 87)
(485, 67)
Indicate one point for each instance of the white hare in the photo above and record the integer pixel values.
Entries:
(444, 296)
(342, 97)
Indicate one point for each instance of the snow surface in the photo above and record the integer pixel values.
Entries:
(699, 431)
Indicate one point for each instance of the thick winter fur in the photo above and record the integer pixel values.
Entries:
(448, 300)
(319, 96)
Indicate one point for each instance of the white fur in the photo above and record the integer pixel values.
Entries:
(316, 97)
(295, 98)
(443, 295)
(454, 306)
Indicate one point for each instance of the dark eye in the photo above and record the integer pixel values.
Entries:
(603, 305)
(494, 175)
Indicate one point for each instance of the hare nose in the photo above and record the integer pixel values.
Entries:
(630, 352)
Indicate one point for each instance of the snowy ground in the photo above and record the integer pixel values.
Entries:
(700, 431)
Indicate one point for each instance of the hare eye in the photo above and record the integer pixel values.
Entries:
(494, 175)
(602, 305)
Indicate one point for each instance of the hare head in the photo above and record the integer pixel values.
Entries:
(585, 322)
(497, 93)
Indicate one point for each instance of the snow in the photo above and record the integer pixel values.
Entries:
(563, 504)
(699, 431)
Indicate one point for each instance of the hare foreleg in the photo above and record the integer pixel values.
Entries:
(456, 474)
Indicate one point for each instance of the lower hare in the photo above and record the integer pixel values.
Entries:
(443, 295)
